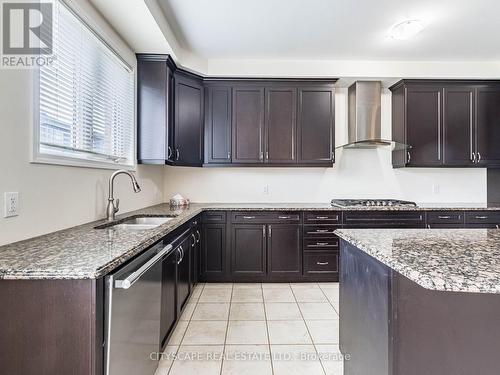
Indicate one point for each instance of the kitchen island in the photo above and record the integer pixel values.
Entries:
(420, 301)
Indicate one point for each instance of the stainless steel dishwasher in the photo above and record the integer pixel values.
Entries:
(132, 320)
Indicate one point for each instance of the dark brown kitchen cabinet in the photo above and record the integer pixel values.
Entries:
(248, 247)
(280, 125)
(446, 123)
(488, 125)
(248, 124)
(195, 251)
(218, 124)
(168, 295)
(213, 251)
(183, 272)
(315, 128)
(284, 250)
(155, 107)
(458, 125)
(189, 119)
(423, 125)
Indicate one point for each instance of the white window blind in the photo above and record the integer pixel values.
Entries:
(86, 97)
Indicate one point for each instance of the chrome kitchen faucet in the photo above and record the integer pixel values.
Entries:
(113, 206)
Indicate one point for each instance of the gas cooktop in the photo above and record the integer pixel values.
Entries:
(371, 203)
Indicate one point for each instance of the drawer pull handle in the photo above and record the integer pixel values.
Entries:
(322, 263)
(248, 217)
(322, 231)
(322, 217)
(284, 217)
(481, 217)
(444, 217)
(322, 243)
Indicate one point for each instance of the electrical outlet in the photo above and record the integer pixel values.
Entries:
(266, 189)
(11, 204)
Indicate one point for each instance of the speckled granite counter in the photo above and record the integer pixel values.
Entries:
(461, 260)
(83, 252)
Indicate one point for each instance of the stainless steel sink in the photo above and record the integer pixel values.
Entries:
(138, 223)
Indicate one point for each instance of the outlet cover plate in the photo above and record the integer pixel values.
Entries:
(11, 204)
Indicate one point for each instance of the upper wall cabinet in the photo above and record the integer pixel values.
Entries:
(170, 113)
(269, 123)
(446, 123)
(188, 120)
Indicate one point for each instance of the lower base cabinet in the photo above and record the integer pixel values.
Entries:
(284, 251)
(214, 252)
(248, 250)
(183, 272)
(168, 297)
(321, 263)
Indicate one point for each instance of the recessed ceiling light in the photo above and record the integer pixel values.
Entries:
(406, 29)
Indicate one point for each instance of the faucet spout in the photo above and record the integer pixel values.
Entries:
(113, 207)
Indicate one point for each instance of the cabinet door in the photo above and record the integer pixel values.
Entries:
(213, 254)
(423, 125)
(316, 132)
(188, 122)
(183, 273)
(248, 124)
(284, 250)
(280, 125)
(168, 302)
(458, 125)
(248, 245)
(218, 125)
(488, 126)
(195, 254)
(154, 110)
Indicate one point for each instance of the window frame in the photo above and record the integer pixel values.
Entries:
(39, 157)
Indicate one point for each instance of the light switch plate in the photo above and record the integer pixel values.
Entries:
(11, 204)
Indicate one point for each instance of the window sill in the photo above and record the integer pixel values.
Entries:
(81, 163)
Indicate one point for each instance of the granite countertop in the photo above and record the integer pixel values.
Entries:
(83, 252)
(458, 260)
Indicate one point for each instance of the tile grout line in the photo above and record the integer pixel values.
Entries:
(309, 332)
(227, 329)
(267, 330)
(330, 302)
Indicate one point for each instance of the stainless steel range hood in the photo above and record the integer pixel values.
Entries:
(364, 119)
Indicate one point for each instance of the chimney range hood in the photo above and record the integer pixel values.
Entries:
(364, 119)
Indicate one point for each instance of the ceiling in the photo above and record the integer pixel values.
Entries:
(462, 30)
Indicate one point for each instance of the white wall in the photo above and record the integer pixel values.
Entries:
(356, 174)
(56, 197)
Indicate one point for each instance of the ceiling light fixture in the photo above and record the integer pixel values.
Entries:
(406, 29)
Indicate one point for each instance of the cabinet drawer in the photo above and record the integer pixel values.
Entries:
(320, 230)
(321, 244)
(445, 217)
(321, 263)
(214, 217)
(266, 217)
(482, 217)
(384, 219)
(322, 217)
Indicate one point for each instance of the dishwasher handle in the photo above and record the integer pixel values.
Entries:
(136, 275)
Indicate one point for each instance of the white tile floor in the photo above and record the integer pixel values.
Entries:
(257, 329)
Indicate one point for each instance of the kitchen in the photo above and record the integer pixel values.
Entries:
(306, 159)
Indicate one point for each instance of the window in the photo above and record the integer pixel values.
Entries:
(85, 100)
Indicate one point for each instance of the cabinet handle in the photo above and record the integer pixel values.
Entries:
(180, 251)
(177, 154)
(319, 244)
(479, 157)
(408, 156)
(481, 217)
(284, 217)
(261, 155)
(444, 217)
(322, 231)
(267, 155)
(263, 231)
(496, 226)
(194, 240)
(428, 226)
(439, 125)
(332, 156)
(322, 263)
(169, 152)
(323, 217)
(199, 236)
(270, 231)
(248, 217)
(229, 155)
(471, 130)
